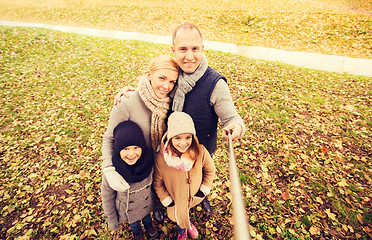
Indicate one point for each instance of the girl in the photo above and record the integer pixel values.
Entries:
(184, 172)
(134, 161)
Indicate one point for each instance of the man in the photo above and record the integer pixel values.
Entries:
(201, 92)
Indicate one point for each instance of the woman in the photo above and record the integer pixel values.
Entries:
(147, 106)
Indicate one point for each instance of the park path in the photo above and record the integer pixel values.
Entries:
(330, 63)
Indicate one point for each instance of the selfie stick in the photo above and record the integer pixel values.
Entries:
(240, 218)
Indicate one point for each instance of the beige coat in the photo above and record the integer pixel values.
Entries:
(182, 186)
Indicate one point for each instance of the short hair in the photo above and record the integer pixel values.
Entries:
(189, 26)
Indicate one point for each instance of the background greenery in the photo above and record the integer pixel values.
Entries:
(305, 161)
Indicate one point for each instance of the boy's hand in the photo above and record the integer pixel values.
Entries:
(122, 92)
(115, 180)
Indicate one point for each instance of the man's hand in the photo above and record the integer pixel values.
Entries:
(235, 129)
(122, 92)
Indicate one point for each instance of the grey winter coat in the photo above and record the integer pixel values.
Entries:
(129, 206)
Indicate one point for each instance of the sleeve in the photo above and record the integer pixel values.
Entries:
(209, 172)
(118, 114)
(159, 186)
(108, 196)
(223, 105)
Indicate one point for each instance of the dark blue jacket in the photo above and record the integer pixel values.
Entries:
(197, 105)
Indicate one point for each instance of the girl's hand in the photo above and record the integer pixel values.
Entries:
(200, 194)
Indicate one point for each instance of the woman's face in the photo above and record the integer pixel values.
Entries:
(162, 81)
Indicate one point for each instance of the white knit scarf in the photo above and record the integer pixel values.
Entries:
(159, 108)
(186, 81)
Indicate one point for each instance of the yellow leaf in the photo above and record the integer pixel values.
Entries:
(228, 183)
(343, 183)
(231, 220)
(314, 230)
(330, 215)
(319, 200)
(360, 219)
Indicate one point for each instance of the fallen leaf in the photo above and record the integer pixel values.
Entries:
(360, 219)
(343, 183)
(330, 215)
(314, 230)
(285, 196)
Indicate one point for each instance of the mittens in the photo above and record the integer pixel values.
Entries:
(115, 180)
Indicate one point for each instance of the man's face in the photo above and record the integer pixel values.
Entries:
(188, 49)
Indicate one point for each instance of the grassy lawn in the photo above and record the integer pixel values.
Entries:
(333, 27)
(305, 161)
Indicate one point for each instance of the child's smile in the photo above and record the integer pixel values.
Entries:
(131, 154)
(182, 142)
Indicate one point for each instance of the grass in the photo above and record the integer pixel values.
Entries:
(308, 132)
(327, 26)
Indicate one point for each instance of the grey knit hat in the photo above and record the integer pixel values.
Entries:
(178, 123)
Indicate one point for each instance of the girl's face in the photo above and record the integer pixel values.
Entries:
(131, 154)
(162, 81)
(182, 142)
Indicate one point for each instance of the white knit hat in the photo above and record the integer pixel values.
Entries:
(178, 123)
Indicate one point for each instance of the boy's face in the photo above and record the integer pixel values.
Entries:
(182, 142)
(131, 154)
(188, 49)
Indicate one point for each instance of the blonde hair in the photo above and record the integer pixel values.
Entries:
(162, 62)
